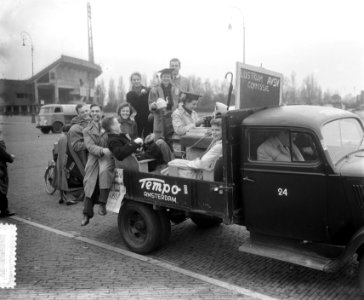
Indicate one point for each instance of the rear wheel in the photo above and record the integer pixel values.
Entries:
(57, 127)
(139, 226)
(361, 273)
(203, 221)
(45, 130)
(49, 177)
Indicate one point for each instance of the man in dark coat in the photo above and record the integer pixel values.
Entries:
(5, 157)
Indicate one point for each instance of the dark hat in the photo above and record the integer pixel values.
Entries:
(189, 96)
(166, 71)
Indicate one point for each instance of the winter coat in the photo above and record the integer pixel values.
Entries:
(162, 124)
(183, 121)
(98, 166)
(183, 84)
(139, 102)
(129, 127)
(5, 157)
(61, 162)
(121, 146)
(75, 136)
(273, 150)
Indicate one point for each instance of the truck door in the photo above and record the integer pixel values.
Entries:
(284, 184)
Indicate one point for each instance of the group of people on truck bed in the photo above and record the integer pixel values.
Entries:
(91, 146)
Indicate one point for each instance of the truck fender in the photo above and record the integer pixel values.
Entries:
(355, 245)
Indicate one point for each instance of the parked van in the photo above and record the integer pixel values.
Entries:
(54, 116)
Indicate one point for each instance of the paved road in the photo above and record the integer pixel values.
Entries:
(212, 252)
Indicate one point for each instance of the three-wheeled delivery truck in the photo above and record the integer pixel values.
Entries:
(307, 210)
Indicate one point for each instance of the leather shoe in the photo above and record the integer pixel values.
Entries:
(102, 209)
(85, 220)
(7, 214)
(70, 202)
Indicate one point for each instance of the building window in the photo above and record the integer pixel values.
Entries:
(52, 76)
(22, 95)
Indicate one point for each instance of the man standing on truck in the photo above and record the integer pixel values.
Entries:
(178, 81)
(99, 167)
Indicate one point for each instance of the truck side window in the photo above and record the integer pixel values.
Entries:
(57, 110)
(281, 145)
(306, 145)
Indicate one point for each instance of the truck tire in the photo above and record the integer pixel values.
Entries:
(45, 130)
(203, 221)
(57, 127)
(361, 273)
(165, 227)
(139, 226)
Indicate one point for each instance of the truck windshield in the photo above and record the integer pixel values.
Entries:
(342, 137)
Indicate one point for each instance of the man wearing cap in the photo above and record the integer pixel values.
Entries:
(163, 99)
(180, 82)
(185, 117)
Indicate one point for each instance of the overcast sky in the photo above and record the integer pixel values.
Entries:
(325, 38)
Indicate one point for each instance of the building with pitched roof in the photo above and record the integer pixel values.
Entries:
(67, 80)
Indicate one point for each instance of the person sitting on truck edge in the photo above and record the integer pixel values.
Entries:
(185, 117)
(211, 155)
(119, 143)
(100, 166)
(277, 148)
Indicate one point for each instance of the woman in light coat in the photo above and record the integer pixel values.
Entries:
(185, 117)
(162, 124)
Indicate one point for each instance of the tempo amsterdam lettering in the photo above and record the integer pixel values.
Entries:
(155, 188)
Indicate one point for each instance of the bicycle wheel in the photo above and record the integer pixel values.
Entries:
(49, 176)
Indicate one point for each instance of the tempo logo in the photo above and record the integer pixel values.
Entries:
(159, 185)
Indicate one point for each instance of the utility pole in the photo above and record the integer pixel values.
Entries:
(90, 40)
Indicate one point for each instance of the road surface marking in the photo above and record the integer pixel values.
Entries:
(155, 262)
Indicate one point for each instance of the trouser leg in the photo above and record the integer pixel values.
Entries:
(3, 202)
(88, 204)
(104, 194)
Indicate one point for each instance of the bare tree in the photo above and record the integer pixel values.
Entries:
(120, 97)
(311, 92)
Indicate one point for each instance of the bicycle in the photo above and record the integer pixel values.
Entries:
(49, 177)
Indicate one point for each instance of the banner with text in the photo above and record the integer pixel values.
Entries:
(257, 87)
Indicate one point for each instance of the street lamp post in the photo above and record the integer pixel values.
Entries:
(230, 27)
(25, 35)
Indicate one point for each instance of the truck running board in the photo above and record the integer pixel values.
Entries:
(314, 256)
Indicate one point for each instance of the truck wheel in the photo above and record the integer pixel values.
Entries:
(45, 130)
(202, 221)
(139, 226)
(57, 127)
(361, 273)
(165, 227)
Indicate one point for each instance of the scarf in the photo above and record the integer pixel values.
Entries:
(187, 110)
